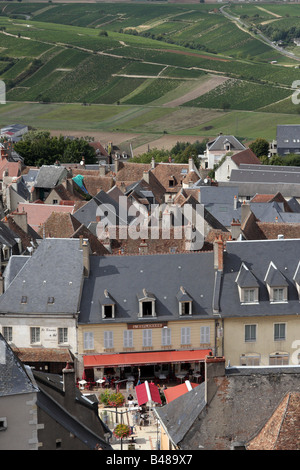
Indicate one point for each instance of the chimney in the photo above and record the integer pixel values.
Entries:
(107, 244)
(218, 253)
(143, 248)
(235, 202)
(235, 229)
(85, 247)
(146, 176)
(214, 368)
(191, 164)
(245, 211)
(153, 163)
(1, 284)
(20, 219)
(116, 161)
(69, 386)
(102, 170)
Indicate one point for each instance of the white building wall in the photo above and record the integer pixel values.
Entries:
(48, 331)
(20, 412)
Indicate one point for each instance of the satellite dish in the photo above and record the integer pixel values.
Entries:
(206, 181)
(82, 162)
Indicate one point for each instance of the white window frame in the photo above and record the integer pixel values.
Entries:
(62, 335)
(108, 339)
(181, 308)
(205, 334)
(88, 340)
(147, 338)
(128, 338)
(7, 332)
(252, 338)
(112, 311)
(280, 326)
(153, 313)
(185, 335)
(166, 336)
(278, 294)
(35, 335)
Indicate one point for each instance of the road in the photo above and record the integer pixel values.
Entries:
(266, 40)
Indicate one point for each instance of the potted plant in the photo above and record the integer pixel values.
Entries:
(122, 431)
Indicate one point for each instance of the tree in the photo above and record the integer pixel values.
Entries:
(40, 148)
(260, 147)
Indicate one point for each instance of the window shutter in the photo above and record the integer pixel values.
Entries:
(186, 335)
(128, 338)
(108, 339)
(166, 337)
(88, 340)
(205, 334)
(147, 338)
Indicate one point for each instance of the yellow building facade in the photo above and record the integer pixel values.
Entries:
(263, 340)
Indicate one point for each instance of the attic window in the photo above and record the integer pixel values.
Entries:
(248, 286)
(186, 308)
(276, 284)
(185, 302)
(24, 299)
(107, 305)
(171, 183)
(146, 304)
(50, 300)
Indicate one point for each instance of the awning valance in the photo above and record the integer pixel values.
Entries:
(145, 358)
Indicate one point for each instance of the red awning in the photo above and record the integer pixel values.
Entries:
(147, 392)
(174, 392)
(145, 358)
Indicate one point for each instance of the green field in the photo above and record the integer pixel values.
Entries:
(129, 60)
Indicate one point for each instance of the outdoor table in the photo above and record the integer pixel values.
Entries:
(180, 376)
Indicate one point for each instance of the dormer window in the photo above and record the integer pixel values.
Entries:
(171, 181)
(296, 279)
(185, 302)
(276, 284)
(248, 286)
(146, 304)
(107, 306)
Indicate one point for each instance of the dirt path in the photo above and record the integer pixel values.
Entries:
(199, 91)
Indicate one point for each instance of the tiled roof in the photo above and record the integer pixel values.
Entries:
(164, 172)
(43, 355)
(12, 168)
(131, 172)
(245, 157)
(282, 430)
(37, 214)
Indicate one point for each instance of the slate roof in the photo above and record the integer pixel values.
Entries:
(162, 275)
(54, 270)
(249, 189)
(88, 213)
(288, 132)
(14, 379)
(179, 415)
(50, 176)
(246, 278)
(73, 421)
(219, 142)
(265, 176)
(257, 256)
